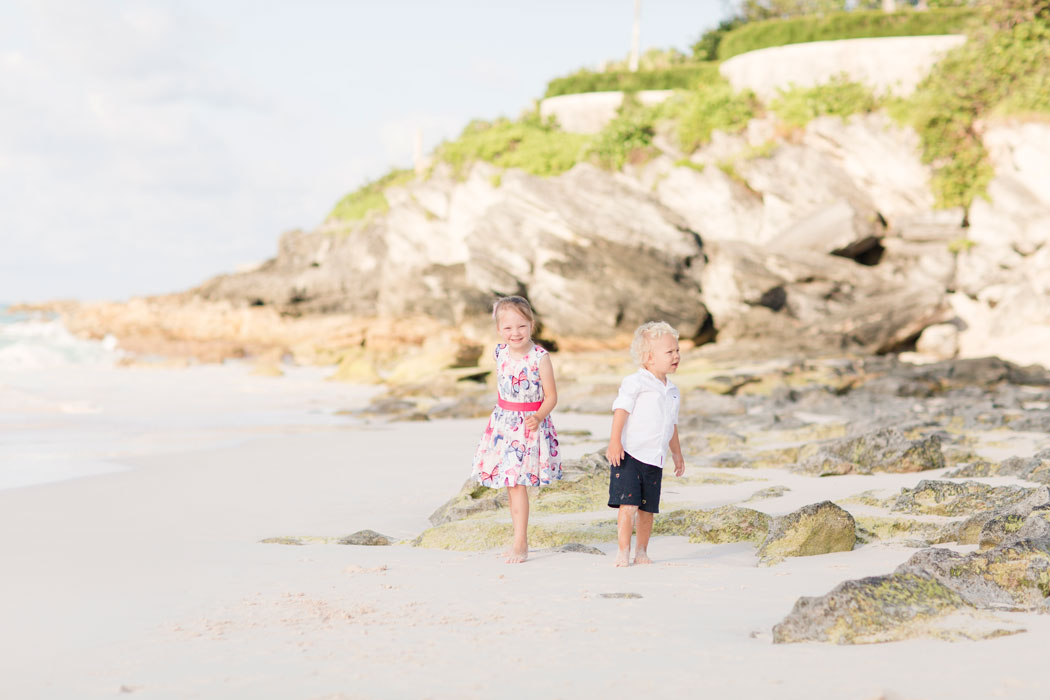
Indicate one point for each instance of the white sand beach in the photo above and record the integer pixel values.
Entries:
(145, 574)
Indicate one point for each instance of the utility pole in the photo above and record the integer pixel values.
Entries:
(635, 30)
(417, 152)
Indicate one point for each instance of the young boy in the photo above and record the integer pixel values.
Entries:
(645, 422)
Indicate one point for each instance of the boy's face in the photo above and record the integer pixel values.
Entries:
(665, 357)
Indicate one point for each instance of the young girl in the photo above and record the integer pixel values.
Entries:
(520, 446)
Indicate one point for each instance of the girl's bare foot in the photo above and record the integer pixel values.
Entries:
(516, 557)
(640, 557)
(623, 558)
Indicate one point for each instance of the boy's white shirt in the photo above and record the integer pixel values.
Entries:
(653, 409)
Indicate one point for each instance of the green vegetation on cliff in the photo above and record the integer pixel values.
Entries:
(840, 97)
(1003, 70)
(369, 197)
(537, 147)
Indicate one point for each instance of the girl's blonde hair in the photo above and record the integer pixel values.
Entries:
(519, 304)
(642, 345)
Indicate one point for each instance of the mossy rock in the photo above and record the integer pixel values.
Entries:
(1035, 468)
(871, 528)
(770, 492)
(583, 487)
(869, 610)
(818, 528)
(883, 450)
(717, 525)
(472, 499)
(953, 498)
(1013, 576)
(1012, 527)
(477, 534)
(367, 538)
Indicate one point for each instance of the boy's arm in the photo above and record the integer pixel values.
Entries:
(676, 454)
(615, 451)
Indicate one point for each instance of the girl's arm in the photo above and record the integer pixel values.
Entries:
(615, 451)
(676, 454)
(550, 394)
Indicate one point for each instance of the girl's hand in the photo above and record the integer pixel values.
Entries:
(615, 453)
(531, 423)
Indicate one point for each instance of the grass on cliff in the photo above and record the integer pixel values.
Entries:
(369, 198)
(840, 97)
(535, 146)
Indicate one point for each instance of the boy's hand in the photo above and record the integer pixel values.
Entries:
(615, 453)
(679, 466)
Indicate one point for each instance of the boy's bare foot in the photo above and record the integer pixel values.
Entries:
(641, 557)
(516, 557)
(623, 558)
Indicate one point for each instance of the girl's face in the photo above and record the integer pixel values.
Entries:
(515, 329)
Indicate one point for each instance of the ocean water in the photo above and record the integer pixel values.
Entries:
(69, 410)
(37, 341)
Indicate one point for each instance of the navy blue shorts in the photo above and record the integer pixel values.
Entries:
(635, 483)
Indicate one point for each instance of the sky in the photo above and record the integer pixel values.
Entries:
(146, 146)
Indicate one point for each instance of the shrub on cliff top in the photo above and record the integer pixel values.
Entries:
(857, 24)
(674, 78)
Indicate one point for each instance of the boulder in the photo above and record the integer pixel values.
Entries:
(819, 528)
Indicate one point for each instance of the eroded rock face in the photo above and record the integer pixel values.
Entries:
(819, 528)
(445, 247)
(929, 595)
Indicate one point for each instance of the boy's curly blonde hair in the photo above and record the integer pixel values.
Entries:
(642, 345)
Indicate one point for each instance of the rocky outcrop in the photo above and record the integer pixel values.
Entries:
(819, 528)
(819, 243)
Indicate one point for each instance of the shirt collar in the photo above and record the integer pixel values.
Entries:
(650, 377)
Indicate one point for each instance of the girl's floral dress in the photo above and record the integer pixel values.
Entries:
(508, 453)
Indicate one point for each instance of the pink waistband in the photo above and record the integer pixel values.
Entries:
(511, 406)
